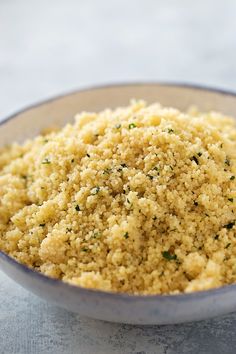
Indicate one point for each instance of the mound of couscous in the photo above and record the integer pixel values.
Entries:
(140, 200)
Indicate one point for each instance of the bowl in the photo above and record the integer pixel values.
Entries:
(116, 307)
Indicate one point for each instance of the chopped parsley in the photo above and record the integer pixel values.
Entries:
(194, 158)
(126, 235)
(68, 229)
(231, 200)
(87, 155)
(85, 249)
(42, 225)
(132, 126)
(123, 165)
(228, 244)
(232, 178)
(170, 130)
(73, 160)
(95, 190)
(150, 177)
(46, 161)
(195, 203)
(77, 208)
(199, 154)
(230, 225)
(107, 171)
(216, 237)
(227, 162)
(97, 235)
(170, 257)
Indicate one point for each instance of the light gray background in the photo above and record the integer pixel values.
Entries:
(50, 47)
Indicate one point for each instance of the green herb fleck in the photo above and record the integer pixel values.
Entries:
(88, 155)
(46, 161)
(199, 154)
(195, 203)
(150, 177)
(42, 225)
(68, 229)
(73, 160)
(230, 225)
(227, 162)
(193, 158)
(123, 165)
(232, 178)
(24, 177)
(231, 200)
(95, 190)
(107, 171)
(167, 255)
(170, 131)
(126, 235)
(228, 244)
(45, 141)
(216, 237)
(85, 249)
(154, 218)
(132, 126)
(77, 208)
(97, 235)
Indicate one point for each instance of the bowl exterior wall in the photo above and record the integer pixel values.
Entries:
(97, 304)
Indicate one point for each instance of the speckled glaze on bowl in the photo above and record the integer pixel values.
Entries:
(158, 309)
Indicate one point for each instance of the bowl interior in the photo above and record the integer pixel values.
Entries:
(61, 110)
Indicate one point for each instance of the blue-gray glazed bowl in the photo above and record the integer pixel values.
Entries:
(123, 308)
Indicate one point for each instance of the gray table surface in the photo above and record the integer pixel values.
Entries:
(50, 47)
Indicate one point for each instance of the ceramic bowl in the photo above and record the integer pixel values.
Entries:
(158, 309)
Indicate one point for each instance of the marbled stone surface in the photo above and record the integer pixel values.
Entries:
(50, 47)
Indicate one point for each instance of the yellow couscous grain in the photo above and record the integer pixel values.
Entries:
(141, 200)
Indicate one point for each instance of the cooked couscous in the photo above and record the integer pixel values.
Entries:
(141, 200)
